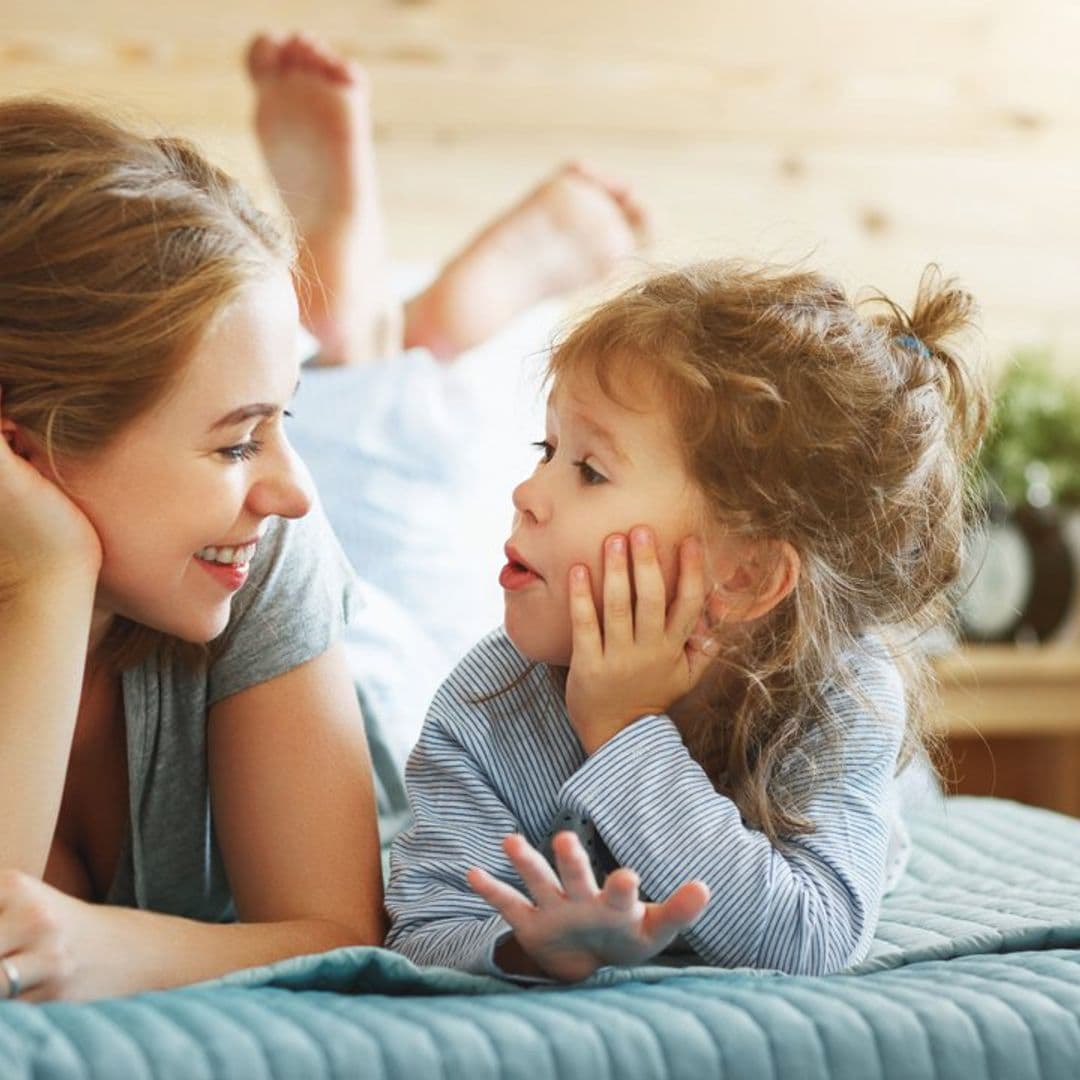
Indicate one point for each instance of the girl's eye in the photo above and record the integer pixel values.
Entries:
(589, 475)
(545, 448)
(244, 451)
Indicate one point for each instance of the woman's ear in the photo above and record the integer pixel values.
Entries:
(14, 438)
(751, 579)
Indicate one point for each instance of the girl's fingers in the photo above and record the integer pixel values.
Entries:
(541, 881)
(689, 603)
(587, 643)
(650, 605)
(618, 608)
(574, 868)
(621, 889)
(505, 899)
(664, 922)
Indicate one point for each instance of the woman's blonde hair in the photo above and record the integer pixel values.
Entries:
(848, 435)
(116, 252)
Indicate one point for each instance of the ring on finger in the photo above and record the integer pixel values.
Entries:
(14, 980)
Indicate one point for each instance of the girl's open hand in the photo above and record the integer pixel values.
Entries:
(647, 657)
(571, 927)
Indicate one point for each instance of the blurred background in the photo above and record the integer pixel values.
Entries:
(870, 138)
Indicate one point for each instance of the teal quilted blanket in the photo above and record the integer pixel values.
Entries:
(975, 972)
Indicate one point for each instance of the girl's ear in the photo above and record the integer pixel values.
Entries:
(752, 581)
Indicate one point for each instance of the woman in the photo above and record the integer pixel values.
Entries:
(147, 356)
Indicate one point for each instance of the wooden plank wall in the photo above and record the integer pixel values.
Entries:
(873, 137)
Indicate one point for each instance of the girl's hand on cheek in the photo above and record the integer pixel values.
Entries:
(571, 927)
(44, 531)
(644, 660)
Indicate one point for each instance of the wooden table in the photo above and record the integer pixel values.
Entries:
(1011, 717)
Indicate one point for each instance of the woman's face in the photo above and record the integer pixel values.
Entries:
(202, 471)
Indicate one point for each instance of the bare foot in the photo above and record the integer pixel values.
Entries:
(568, 232)
(313, 121)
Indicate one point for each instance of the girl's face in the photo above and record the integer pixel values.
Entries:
(205, 468)
(604, 468)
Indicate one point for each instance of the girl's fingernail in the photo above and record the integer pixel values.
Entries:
(640, 537)
(616, 545)
(578, 573)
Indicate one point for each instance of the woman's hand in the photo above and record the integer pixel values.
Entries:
(46, 939)
(572, 927)
(44, 531)
(647, 656)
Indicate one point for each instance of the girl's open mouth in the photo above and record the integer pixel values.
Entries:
(516, 574)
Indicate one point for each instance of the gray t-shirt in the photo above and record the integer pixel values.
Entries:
(293, 606)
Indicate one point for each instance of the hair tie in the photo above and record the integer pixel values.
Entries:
(913, 344)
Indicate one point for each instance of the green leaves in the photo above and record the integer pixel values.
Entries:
(1035, 431)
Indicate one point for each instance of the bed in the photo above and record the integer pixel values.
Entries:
(974, 973)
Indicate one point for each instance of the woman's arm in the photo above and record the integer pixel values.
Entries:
(295, 818)
(44, 631)
(64, 948)
(293, 802)
(50, 557)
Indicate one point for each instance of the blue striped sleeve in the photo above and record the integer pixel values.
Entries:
(458, 822)
(808, 906)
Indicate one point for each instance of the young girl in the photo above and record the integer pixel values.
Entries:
(791, 473)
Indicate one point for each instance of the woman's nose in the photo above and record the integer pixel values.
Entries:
(285, 489)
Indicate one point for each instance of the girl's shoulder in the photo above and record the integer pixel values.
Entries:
(493, 679)
(491, 668)
(868, 686)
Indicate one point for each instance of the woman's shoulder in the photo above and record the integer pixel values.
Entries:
(299, 596)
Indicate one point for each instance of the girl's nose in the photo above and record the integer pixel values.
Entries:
(285, 489)
(531, 501)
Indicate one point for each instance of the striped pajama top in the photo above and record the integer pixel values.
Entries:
(512, 763)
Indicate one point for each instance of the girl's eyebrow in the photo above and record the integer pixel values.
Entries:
(603, 434)
(246, 412)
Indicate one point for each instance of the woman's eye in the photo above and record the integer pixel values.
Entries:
(244, 451)
(545, 448)
(589, 475)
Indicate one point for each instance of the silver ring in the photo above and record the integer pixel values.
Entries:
(11, 973)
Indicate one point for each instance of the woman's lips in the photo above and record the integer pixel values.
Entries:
(232, 576)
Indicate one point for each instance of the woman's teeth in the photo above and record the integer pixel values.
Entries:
(230, 556)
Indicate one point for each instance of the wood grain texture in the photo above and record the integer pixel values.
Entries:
(871, 138)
